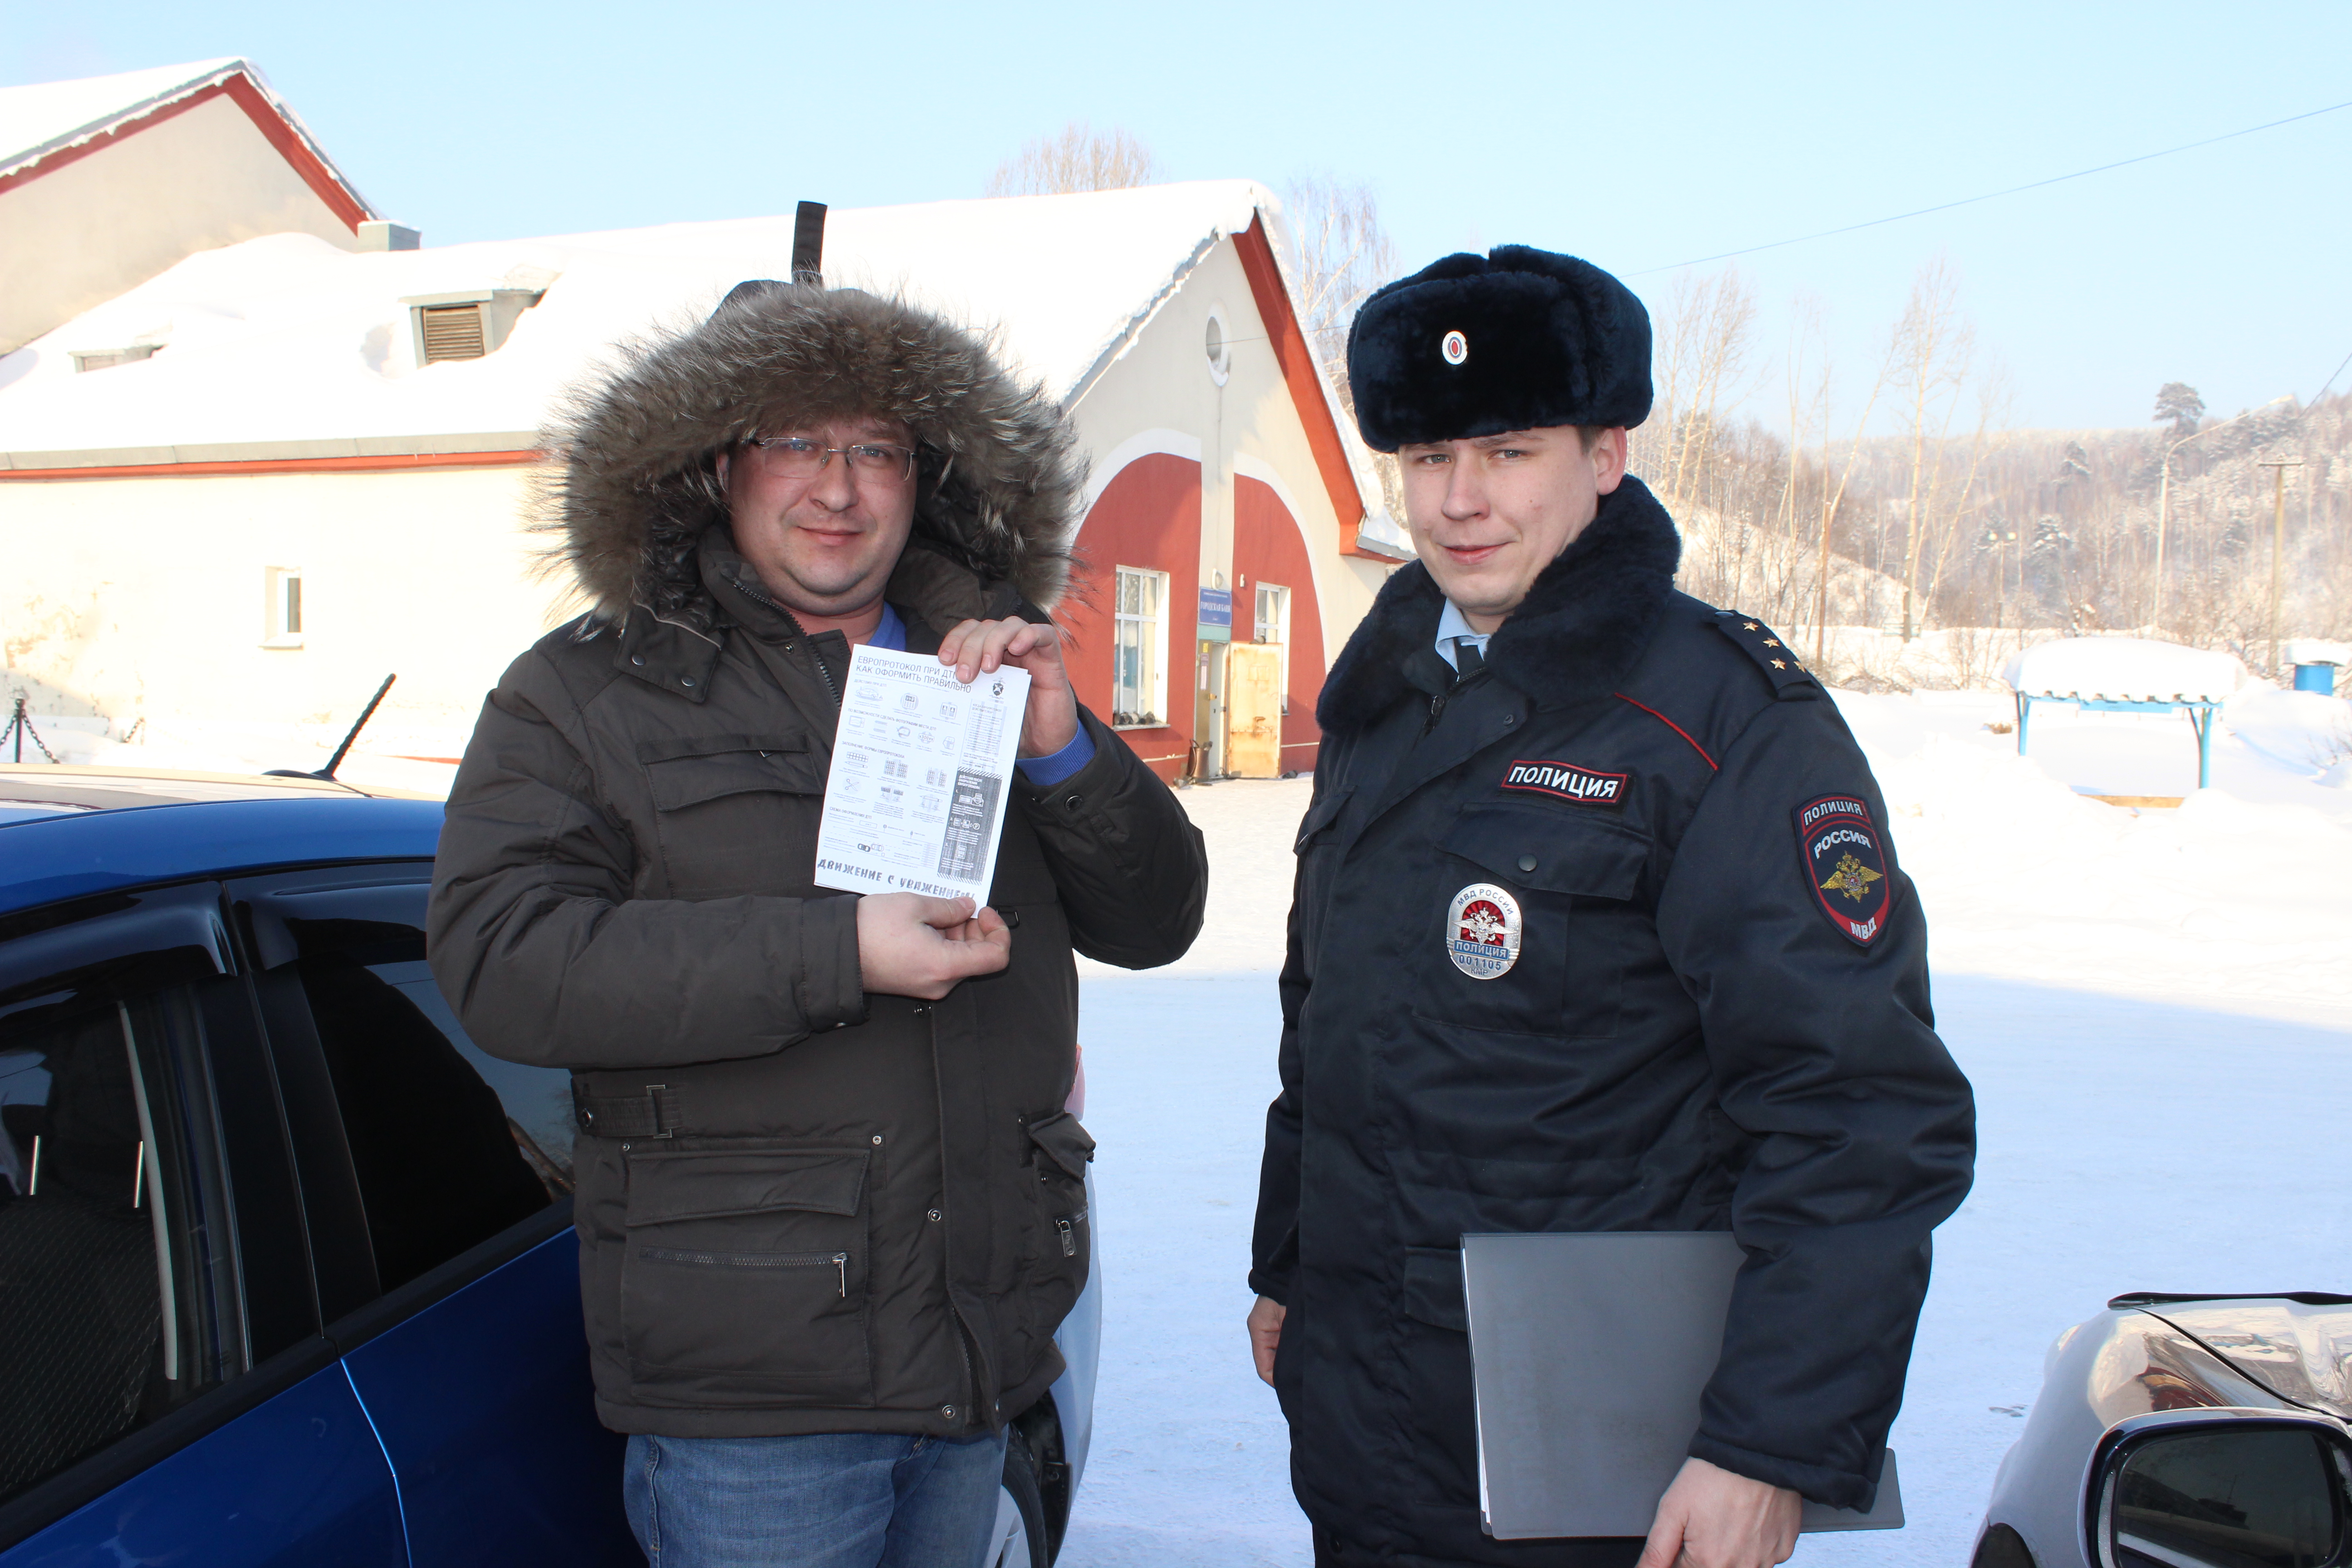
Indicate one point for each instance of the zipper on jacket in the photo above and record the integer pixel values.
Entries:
(1069, 1235)
(840, 1261)
(1437, 711)
(800, 632)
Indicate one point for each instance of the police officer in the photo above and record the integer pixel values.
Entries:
(1596, 927)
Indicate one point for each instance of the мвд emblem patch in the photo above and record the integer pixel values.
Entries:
(1482, 931)
(1845, 863)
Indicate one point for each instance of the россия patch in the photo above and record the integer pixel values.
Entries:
(1845, 862)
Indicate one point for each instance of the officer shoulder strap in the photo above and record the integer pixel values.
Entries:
(1773, 657)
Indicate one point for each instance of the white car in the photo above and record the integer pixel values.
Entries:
(2185, 1432)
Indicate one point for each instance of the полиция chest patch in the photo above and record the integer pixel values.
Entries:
(1482, 931)
(1565, 781)
(1846, 861)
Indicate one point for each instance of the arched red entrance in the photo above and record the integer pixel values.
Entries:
(1148, 516)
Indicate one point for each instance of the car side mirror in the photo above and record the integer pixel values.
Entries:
(2252, 1490)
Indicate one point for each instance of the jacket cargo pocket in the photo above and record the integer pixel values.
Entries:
(1571, 879)
(1063, 1250)
(743, 1277)
(735, 814)
(1434, 1341)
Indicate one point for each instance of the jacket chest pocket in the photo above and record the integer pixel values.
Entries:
(1318, 854)
(735, 814)
(1569, 884)
(743, 1276)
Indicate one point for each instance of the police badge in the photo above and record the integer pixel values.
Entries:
(1845, 862)
(1482, 931)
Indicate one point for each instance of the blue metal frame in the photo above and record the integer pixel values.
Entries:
(2199, 710)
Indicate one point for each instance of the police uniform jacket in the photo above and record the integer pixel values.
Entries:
(1718, 1018)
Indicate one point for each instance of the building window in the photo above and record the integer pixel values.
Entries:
(283, 625)
(1274, 627)
(1217, 341)
(1139, 658)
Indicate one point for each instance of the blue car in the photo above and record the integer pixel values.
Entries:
(286, 1269)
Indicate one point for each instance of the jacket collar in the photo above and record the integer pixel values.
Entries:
(1583, 626)
(679, 652)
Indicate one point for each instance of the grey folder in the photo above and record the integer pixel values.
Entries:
(1588, 1351)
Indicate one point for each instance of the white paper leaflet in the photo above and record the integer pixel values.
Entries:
(922, 767)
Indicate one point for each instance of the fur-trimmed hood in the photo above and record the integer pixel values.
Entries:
(630, 484)
(1577, 634)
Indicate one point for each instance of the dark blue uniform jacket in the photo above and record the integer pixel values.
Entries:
(1718, 1019)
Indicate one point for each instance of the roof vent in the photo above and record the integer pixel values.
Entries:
(468, 324)
(375, 233)
(107, 359)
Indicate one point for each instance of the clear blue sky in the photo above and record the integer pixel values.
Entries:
(1637, 136)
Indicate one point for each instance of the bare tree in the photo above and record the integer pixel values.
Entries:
(1703, 355)
(1933, 343)
(1076, 158)
(1343, 255)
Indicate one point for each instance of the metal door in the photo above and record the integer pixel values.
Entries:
(1254, 710)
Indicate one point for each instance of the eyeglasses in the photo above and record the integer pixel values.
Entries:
(800, 457)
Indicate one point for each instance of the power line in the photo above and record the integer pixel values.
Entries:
(1991, 196)
(2330, 381)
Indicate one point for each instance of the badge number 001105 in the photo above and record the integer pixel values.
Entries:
(1482, 930)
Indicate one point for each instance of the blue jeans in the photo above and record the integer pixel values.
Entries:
(850, 1499)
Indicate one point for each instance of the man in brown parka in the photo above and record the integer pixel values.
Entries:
(831, 1208)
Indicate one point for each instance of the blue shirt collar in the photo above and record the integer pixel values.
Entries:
(1450, 626)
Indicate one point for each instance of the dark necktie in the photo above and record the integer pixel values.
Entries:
(1467, 660)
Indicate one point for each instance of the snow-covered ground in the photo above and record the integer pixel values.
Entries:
(2155, 1010)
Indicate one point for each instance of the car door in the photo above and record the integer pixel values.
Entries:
(437, 1180)
(165, 1394)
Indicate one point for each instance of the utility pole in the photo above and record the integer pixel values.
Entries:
(2278, 468)
(2164, 502)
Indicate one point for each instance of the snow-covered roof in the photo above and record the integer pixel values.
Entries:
(2124, 669)
(49, 123)
(48, 116)
(287, 340)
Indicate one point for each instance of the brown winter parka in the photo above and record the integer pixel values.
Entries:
(801, 1207)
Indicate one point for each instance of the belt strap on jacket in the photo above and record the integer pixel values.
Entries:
(653, 1114)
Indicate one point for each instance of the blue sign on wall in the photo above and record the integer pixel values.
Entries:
(1216, 615)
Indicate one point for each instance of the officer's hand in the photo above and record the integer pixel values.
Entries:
(911, 945)
(1712, 1519)
(1265, 1333)
(982, 648)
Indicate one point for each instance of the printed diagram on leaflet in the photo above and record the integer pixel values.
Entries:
(922, 767)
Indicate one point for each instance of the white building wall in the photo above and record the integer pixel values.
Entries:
(81, 234)
(131, 597)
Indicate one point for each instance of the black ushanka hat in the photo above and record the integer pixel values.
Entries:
(1475, 346)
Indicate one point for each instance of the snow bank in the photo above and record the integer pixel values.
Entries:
(2303, 730)
(2125, 669)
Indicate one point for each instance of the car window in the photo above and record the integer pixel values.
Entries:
(119, 1296)
(449, 1145)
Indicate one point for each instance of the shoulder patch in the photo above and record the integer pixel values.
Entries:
(1846, 865)
(1772, 656)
